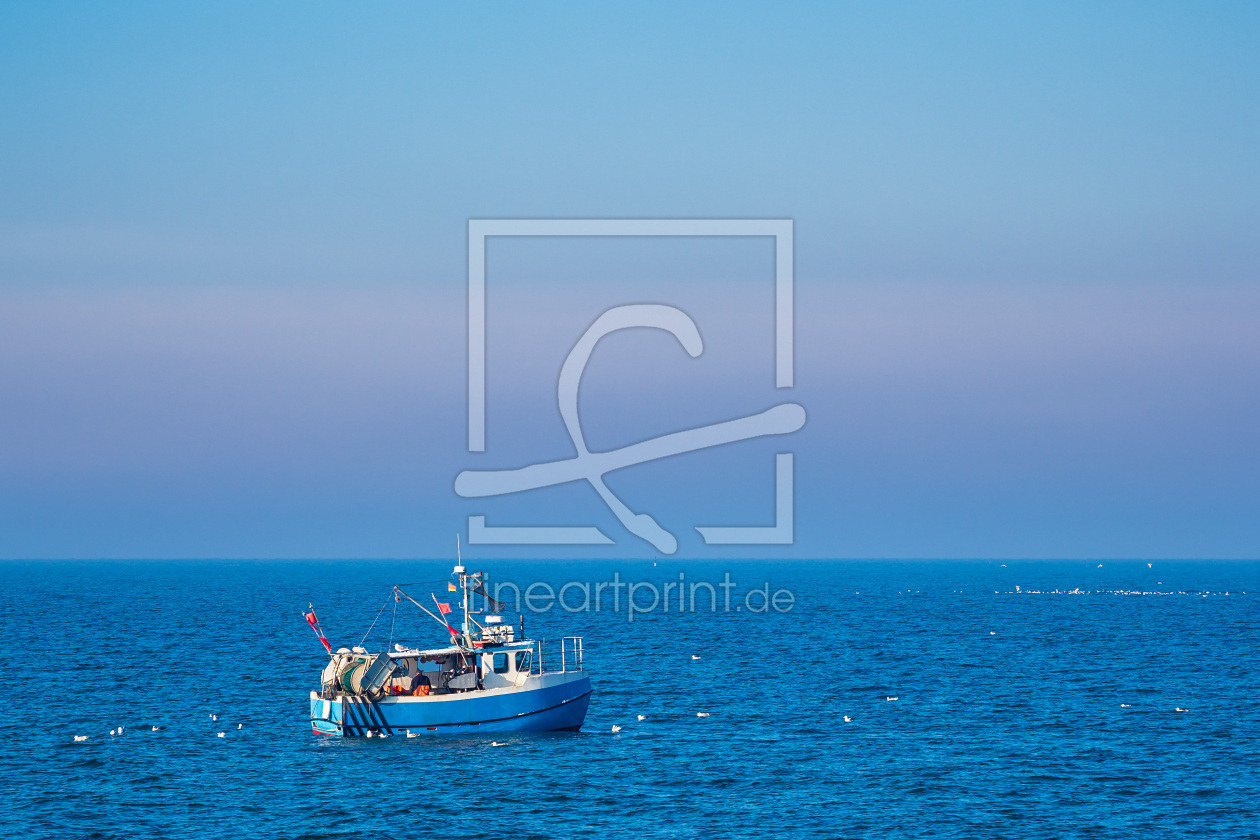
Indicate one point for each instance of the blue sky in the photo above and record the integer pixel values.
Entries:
(232, 271)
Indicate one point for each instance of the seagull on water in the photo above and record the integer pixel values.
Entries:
(616, 728)
(240, 726)
(890, 698)
(369, 734)
(157, 729)
(411, 734)
(220, 735)
(992, 632)
(111, 732)
(214, 718)
(1126, 705)
(702, 714)
(1179, 709)
(80, 737)
(642, 717)
(694, 657)
(848, 719)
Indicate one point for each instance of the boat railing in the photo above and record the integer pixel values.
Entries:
(571, 655)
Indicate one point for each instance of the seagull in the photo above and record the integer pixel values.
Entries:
(120, 730)
(616, 728)
(1003, 565)
(369, 734)
(1148, 565)
(214, 718)
(411, 734)
(702, 714)
(80, 737)
(848, 719)
(642, 717)
(157, 729)
(240, 726)
(694, 657)
(890, 698)
(1126, 705)
(220, 735)
(992, 632)
(111, 732)
(497, 744)
(1179, 709)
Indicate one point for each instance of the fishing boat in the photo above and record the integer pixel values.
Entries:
(488, 678)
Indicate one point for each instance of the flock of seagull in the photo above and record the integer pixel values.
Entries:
(645, 717)
(642, 718)
(78, 739)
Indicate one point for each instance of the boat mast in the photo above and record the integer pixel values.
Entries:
(463, 584)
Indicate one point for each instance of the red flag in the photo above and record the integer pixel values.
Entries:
(314, 622)
(444, 608)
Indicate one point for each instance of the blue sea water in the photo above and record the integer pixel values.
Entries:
(1044, 712)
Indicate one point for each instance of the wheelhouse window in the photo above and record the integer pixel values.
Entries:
(500, 663)
(523, 661)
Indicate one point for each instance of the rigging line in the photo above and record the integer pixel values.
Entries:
(378, 617)
(393, 619)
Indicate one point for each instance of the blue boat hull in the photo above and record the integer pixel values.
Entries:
(547, 703)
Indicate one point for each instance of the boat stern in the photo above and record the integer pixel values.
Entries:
(326, 716)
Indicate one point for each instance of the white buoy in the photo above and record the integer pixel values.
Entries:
(80, 737)
(702, 714)
(616, 728)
